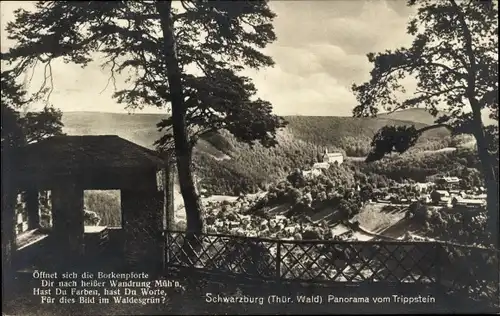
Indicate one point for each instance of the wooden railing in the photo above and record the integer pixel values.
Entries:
(307, 260)
(470, 270)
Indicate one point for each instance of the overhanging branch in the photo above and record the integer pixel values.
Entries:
(430, 127)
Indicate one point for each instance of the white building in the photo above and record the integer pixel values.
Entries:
(448, 182)
(331, 158)
(328, 159)
(312, 173)
(424, 186)
(443, 193)
(456, 201)
(321, 165)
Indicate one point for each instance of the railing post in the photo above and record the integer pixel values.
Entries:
(498, 276)
(278, 260)
(439, 263)
(166, 235)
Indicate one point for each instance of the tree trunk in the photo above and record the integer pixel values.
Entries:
(488, 170)
(8, 219)
(487, 164)
(491, 187)
(181, 138)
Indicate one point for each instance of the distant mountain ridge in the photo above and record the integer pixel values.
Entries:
(223, 163)
(141, 128)
(413, 115)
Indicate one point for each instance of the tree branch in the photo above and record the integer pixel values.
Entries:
(430, 127)
(450, 70)
(469, 50)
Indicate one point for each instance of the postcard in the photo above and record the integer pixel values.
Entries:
(249, 157)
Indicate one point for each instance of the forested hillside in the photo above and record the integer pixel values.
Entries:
(354, 135)
(226, 166)
(418, 167)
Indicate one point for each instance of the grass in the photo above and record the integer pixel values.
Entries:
(376, 217)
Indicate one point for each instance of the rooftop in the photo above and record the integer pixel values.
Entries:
(321, 165)
(334, 154)
(62, 153)
(443, 192)
(470, 201)
(449, 179)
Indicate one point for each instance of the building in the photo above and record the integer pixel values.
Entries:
(441, 197)
(314, 172)
(475, 196)
(332, 158)
(443, 193)
(448, 183)
(423, 187)
(469, 203)
(445, 202)
(328, 159)
(321, 165)
(67, 166)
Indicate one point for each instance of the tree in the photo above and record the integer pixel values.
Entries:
(435, 197)
(366, 192)
(319, 156)
(294, 195)
(17, 131)
(419, 211)
(454, 59)
(186, 59)
(296, 179)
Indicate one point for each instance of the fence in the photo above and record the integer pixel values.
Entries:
(460, 269)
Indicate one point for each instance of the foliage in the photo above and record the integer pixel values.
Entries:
(226, 166)
(392, 138)
(435, 197)
(187, 59)
(20, 129)
(353, 135)
(217, 39)
(419, 167)
(465, 227)
(454, 59)
(452, 43)
(335, 191)
(250, 169)
(42, 124)
(419, 212)
(12, 96)
(106, 204)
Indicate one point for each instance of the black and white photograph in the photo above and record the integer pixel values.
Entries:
(281, 157)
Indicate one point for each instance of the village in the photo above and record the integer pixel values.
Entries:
(441, 193)
(228, 215)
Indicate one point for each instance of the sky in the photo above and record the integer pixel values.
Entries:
(320, 51)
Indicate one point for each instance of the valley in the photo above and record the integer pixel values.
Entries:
(232, 186)
(228, 167)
